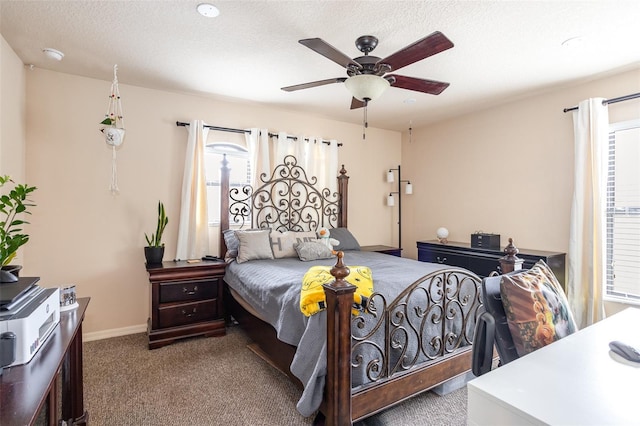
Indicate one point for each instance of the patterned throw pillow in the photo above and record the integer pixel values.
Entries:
(312, 250)
(537, 310)
(282, 242)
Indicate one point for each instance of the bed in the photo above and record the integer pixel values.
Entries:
(413, 332)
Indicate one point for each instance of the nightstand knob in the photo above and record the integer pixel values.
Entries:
(192, 292)
(441, 260)
(189, 314)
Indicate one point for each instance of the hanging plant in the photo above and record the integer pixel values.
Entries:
(114, 134)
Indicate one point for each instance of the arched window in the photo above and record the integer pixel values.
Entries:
(238, 159)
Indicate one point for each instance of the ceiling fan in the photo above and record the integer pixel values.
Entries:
(368, 75)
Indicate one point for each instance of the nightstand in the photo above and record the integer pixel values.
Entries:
(186, 301)
(394, 251)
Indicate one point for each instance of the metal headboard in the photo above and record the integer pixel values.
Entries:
(288, 200)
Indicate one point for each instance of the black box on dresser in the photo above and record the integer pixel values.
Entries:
(481, 240)
(482, 261)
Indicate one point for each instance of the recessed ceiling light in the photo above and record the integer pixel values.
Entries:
(573, 42)
(208, 10)
(53, 54)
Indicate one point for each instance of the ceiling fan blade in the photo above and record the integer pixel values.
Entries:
(328, 51)
(356, 103)
(418, 84)
(314, 84)
(428, 46)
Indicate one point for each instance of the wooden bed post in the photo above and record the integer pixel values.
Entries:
(510, 261)
(339, 296)
(224, 205)
(343, 194)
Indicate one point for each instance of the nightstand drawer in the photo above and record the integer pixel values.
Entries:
(188, 290)
(187, 313)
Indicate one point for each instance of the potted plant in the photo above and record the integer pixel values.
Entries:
(154, 251)
(12, 204)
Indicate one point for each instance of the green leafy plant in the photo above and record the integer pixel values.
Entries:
(155, 240)
(12, 204)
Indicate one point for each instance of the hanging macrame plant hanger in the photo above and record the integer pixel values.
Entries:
(114, 132)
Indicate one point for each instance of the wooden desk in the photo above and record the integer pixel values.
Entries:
(576, 380)
(25, 388)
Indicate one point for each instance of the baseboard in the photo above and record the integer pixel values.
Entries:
(114, 332)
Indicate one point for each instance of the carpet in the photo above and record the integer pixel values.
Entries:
(216, 381)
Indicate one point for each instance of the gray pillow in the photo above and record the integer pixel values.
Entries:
(253, 245)
(346, 238)
(312, 250)
(232, 243)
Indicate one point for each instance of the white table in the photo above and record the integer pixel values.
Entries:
(574, 381)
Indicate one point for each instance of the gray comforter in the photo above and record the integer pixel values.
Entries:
(272, 287)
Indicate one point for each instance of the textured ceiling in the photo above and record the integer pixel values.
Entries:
(503, 49)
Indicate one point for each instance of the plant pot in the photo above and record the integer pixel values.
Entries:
(9, 273)
(153, 255)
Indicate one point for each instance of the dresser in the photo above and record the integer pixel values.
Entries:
(483, 261)
(49, 388)
(186, 301)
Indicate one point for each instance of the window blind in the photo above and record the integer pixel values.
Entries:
(623, 213)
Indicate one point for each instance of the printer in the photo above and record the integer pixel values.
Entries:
(28, 316)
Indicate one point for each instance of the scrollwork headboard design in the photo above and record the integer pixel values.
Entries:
(288, 200)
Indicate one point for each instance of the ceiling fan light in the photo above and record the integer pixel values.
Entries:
(366, 86)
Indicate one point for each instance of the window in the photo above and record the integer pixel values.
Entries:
(623, 213)
(238, 159)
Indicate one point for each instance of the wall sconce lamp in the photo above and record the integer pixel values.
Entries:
(408, 190)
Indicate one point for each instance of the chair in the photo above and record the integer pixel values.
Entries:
(492, 328)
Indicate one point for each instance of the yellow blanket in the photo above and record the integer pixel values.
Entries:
(312, 299)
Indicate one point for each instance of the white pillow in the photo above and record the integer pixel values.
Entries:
(282, 242)
(253, 245)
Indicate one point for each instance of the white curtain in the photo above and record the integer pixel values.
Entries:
(314, 156)
(193, 229)
(588, 212)
(258, 147)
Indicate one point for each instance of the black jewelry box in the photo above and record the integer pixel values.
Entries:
(481, 240)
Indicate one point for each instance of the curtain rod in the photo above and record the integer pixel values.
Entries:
(610, 101)
(229, 129)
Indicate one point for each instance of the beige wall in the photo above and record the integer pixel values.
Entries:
(506, 170)
(81, 234)
(12, 117)
(467, 174)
